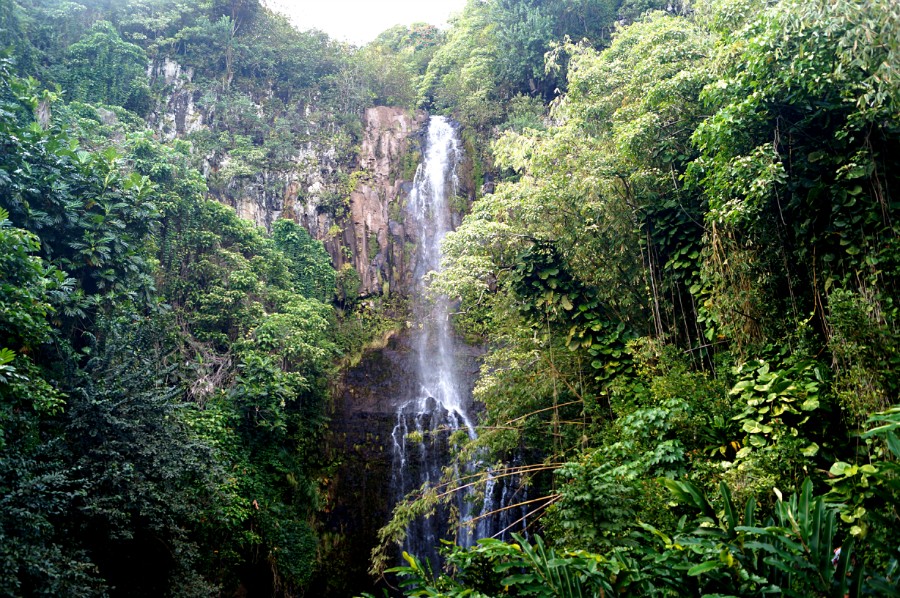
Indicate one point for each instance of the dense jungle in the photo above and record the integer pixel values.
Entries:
(672, 270)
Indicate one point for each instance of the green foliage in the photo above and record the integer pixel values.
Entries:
(24, 281)
(460, 76)
(867, 491)
(496, 50)
(780, 411)
(145, 478)
(257, 344)
(864, 352)
(394, 64)
(37, 493)
(102, 67)
(314, 276)
(92, 218)
(666, 425)
(525, 113)
(523, 568)
(727, 553)
(412, 46)
(160, 447)
(369, 325)
(705, 219)
(807, 103)
(348, 284)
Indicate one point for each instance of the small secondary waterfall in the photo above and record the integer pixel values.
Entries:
(441, 405)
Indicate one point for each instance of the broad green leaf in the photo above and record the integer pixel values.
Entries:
(704, 567)
(811, 450)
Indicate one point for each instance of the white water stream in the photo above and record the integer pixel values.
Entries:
(441, 406)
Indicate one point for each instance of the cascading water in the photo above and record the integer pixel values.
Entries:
(437, 409)
(440, 407)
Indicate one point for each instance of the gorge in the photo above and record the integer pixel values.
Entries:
(568, 298)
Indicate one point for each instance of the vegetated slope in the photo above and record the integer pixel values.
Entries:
(164, 373)
(164, 363)
(687, 278)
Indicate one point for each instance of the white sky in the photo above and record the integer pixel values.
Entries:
(360, 21)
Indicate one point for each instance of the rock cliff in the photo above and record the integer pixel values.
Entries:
(354, 202)
(178, 116)
(375, 233)
(351, 201)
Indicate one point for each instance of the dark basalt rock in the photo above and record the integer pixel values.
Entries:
(364, 413)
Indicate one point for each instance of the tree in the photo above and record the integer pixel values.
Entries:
(314, 276)
(102, 67)
(147, 481)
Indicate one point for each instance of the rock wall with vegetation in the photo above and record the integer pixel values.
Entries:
(350, 197)
(374, 236)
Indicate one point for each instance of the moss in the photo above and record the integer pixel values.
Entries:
(410, 163)
(353, 181)
(459, 204)
(373, 245)
(370, 325)
(396, 211)
(348, 283)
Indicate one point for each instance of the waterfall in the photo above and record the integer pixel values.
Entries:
(440, 407)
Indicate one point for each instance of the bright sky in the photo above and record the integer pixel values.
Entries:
(360, 21)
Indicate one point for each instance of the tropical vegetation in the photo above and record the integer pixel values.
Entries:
(683, 266)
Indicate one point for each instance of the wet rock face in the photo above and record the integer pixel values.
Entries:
(275, 191)
(375, 233)
(362, 419)
(364, 413)
(354, 205)
(359, 221)
(379, 240)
